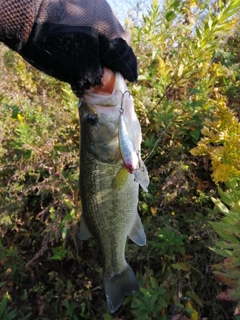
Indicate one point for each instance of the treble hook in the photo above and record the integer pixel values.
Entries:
(139, 162)
(121, 108)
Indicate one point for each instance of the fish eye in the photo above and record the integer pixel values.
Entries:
(92, 119)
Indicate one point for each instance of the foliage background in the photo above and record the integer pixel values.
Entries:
(189, 57)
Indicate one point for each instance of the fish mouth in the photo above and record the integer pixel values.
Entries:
(100, 100)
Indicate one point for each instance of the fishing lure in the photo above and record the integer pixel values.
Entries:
(130, 155)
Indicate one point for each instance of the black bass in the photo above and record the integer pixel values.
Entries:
(109, 193)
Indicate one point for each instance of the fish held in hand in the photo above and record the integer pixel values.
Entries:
(109, 193)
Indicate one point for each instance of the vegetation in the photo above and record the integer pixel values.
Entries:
(187, 99)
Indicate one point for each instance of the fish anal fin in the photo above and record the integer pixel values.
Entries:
(84, 232)
(119, 285)
(137, 233)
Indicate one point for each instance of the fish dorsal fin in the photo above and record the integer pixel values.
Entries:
(84, 232)
(137, 233)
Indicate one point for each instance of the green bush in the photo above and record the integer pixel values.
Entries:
(221, 143)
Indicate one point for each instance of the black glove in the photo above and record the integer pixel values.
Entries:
(70, 40)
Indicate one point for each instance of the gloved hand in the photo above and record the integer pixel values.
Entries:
(71, 40)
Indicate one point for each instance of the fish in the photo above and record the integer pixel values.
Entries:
(109, 194)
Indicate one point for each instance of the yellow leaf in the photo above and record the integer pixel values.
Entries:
(194, 314)
(153, 210)
(8, 296)
(20, 118)
(180, 69)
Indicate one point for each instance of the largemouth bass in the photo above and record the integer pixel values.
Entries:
(109, 192)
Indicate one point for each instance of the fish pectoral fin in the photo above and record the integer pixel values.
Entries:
(84, 232)
(141, 175)
(121, 178)
(119, 285)
(137, 233)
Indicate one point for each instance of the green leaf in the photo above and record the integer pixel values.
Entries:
(154, 283)
(233, 184)
(226, 245)
(228, 196)
(225, 230)
(64, 232)
(229, 273)
(180, 305)
(180, 266)
(223, 253)
(199, 33)
(194, 297)
(161, 302)
(170, 16)
(175, 5)
(3, 306)
(195, 91)
(218, 203)
(195, 134)
(209, 23)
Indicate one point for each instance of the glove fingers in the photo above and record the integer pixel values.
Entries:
(70, 40)
(69, 57)
(118, 56)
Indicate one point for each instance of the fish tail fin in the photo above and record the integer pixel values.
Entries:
(119, 285)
